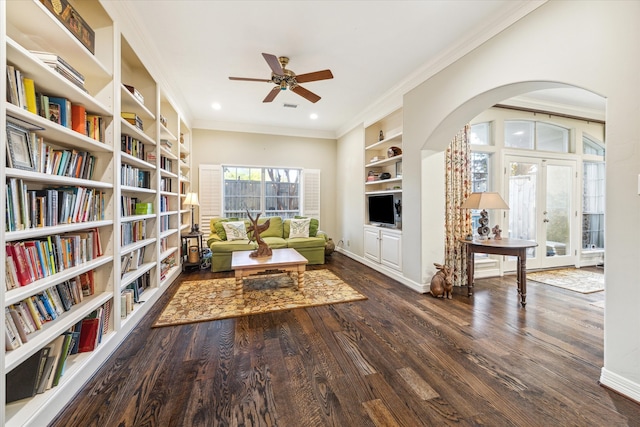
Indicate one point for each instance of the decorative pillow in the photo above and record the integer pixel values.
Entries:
(313, 225)
(219, 229)
(299, 228)
(235, 230)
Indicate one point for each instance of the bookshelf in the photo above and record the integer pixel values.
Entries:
(185, 176)
(70, 184)
(383, 178)
(169, 192)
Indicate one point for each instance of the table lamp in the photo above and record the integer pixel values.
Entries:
(192, 200)
(485, 201)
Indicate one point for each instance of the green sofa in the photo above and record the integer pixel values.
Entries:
(276, 236)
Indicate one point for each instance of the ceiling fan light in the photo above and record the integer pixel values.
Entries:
(283, 85)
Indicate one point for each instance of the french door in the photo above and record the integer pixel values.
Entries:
(541, 194)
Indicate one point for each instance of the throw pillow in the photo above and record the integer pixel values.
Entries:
(313, 225)
(235, 230)
(219, 229)
(299, 228)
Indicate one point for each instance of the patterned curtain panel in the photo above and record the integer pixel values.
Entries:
(458, 188)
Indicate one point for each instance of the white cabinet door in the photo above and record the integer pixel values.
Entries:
(372, 243)
(391, 249)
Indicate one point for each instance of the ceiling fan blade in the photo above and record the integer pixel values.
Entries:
(271, 95)
(247, 79)
(312, 77)
(310, 96)
(273, 62)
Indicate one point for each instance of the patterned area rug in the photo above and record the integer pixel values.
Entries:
(574, 279)
(213, 299)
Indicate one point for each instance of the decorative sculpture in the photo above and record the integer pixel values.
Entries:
(496, 232)
(442, 282)
(255, 229)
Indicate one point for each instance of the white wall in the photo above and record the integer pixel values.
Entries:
(592, 45)
(254, 149)
(350, 192)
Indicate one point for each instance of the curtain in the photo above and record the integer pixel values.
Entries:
(458, 188)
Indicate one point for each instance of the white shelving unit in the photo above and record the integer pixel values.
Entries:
(383, 157)
(27, 26)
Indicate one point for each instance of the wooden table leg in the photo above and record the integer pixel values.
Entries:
(470, 268)
(301, 278)
(522, 277)
(239, 284)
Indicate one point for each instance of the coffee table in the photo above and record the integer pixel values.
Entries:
(287, 260)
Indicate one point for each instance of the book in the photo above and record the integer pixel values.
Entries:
(135, 92)
(22, 381)
(12, 338)
(64, 108)
(144, 208)
(30, 95)
(89, 334)
(19, 324)
(46, 374)
(62, 360)
(79, 119)
(56, 352)
(55, 112)
(73, 21)
(12, 85)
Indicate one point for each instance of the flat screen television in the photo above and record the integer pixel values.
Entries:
(381, 210)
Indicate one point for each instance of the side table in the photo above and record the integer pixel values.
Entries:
(186, 238)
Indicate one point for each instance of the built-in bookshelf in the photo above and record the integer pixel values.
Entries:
(169, 190)
(383, 192)
(92, 199)
(185, 172)
(139, 174)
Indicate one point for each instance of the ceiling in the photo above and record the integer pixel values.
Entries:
(376, 50)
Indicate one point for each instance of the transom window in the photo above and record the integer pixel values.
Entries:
(272, 191)
(532, 135)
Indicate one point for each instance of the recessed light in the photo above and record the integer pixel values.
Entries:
(216, 106)
(313, 116)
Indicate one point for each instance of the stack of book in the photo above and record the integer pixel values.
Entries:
(136, 94)
(61, 66)
(133, 119)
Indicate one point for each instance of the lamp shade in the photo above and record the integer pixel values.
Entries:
(484, 201)
(191, 199)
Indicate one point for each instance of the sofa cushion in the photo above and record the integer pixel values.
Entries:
(235, 230)
(234, 245)
(306, 242)
(276, 228)
(299, 228)
(275, 242)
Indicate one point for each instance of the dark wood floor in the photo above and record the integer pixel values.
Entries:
(398, 358)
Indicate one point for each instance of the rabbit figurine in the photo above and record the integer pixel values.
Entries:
(442, 282)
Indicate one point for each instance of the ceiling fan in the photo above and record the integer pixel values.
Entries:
(284, 79)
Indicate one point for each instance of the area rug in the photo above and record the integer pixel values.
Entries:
(574, 279)
(213, 299)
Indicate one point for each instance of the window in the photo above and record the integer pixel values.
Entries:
(593, 206)
(592, 146)
(481, 134)
(531, 135)
(479, 182)
(272, 191)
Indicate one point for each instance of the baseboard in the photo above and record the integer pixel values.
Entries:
(395, 275)
(620, 385)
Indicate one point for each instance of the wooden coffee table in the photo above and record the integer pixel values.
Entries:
(286, 260)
